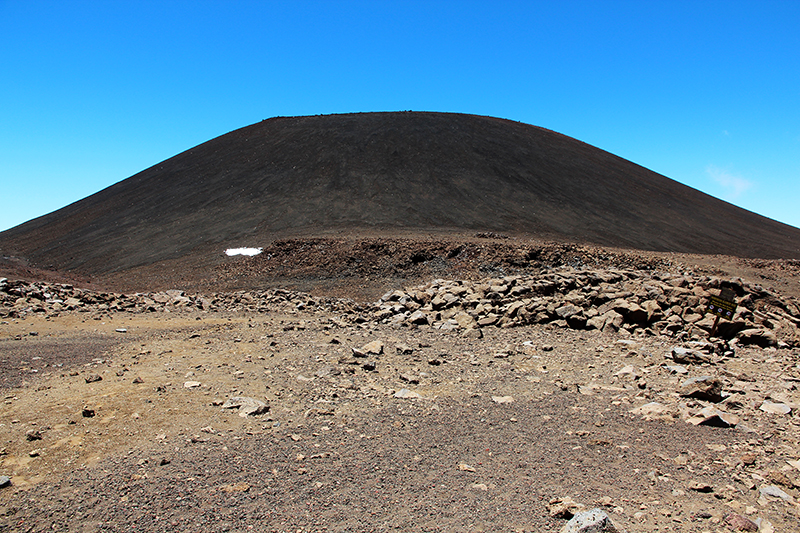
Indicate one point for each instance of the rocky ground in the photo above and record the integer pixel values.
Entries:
(495, 403)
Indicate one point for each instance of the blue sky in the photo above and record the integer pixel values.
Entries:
(706, 93)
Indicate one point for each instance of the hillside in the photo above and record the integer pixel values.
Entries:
(385, 173)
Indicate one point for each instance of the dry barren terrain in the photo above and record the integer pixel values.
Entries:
(482, 404)
(454, 323)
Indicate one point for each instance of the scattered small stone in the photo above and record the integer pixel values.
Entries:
(121, 330)
(407, 394)
(235, 487)
(627, 370)
(138, 380)
(749, 459)
(652, 410)
(503, 399)
(779, 478)
(371, 348)
(765, 526)
(700, 486)
(327, 371)
(5, 481)
(32, 435)
(404, 349)
(677, 369)
(92, 378)
(564, 507)
(191, 384)
(86, 412)
(466, 468)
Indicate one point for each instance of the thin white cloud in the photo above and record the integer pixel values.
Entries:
(734, 185)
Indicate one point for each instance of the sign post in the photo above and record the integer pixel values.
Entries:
(723, 306)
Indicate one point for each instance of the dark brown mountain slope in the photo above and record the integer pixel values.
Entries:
(410, 172)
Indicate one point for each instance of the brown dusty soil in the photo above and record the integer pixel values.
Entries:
(337, 451)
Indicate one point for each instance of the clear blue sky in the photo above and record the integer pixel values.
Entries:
(706, 93)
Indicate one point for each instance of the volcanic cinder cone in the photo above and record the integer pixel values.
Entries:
(405, 171)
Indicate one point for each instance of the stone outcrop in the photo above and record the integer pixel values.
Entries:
(625, 301)
(609, 300)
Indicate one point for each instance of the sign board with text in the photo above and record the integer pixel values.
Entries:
(724, 305)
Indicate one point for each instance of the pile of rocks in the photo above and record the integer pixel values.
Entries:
(20, 298)
(625, 301)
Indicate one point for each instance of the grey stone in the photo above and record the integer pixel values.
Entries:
(676, 369)
(773, 491)
(405, 393)
(247, 406)
(757, 336)
(327, 371)
(566, 311)
(612, 321)
(5, 481)
(592, 521)
(707, 388)
(687, 356)
(711, 416)
(775, 408)
(404, 349)
(371, 348)
(418, 317)
(487, 320)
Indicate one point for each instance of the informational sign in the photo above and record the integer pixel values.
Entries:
(724, 305)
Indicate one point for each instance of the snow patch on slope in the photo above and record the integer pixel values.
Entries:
(243, 251)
